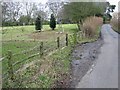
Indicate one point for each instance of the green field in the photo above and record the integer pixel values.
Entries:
(38, 71)
(24, 32)
(13, 38)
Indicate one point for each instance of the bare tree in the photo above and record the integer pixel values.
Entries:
(29, 10)
(40, 10)
(54, 6)
(11, 11)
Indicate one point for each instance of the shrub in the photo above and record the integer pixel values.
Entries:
(115, 22)
(90, 26)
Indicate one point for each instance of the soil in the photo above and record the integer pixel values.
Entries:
(46, 35)
(83, 58)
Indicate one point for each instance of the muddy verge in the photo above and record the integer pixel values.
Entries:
(83, 57)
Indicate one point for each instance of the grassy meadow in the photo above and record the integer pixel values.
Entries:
(20, 38)
(40, 72)
(24, 32)
(23, 38)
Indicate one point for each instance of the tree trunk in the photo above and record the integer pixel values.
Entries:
(80, 23)
(78, 26)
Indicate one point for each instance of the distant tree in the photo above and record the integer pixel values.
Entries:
(29, 7)
(23, 19)
(109, 9)
(17, 13)
(10, 13)
(52, 22)
(54, 6)
(78, 11)
(38, 23)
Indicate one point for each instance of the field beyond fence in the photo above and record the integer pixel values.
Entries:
(42, 59)
(13, 63)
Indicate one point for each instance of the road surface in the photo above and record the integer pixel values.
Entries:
(105, 72)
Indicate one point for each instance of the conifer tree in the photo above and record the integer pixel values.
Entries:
(38, 23)
(52, 22)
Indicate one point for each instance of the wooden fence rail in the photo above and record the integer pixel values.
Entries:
(40, 52)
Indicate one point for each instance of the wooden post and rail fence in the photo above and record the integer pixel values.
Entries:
(41, 53)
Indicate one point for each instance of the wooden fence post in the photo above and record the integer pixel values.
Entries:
(58, 42)
(41, 49)
(10, 67)
(66, 39)
(75, 37)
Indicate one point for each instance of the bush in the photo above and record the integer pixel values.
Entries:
(90, 26)
(115, 22)
(45, 22)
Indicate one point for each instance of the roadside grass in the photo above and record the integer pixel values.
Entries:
(46, 70)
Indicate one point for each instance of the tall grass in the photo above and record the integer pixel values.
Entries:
(90, 26)
(115, 22)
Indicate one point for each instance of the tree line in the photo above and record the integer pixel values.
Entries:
(21, 13)
(27, 13)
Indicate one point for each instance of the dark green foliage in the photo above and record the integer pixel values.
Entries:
(103, 19)
(99, 15)
(78, 11)
(45, 22)
(23, 19)
(52, 22)
(107, 16)
(111, 8)
(38, 24)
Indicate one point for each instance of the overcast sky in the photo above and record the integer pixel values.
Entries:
(114, 2)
